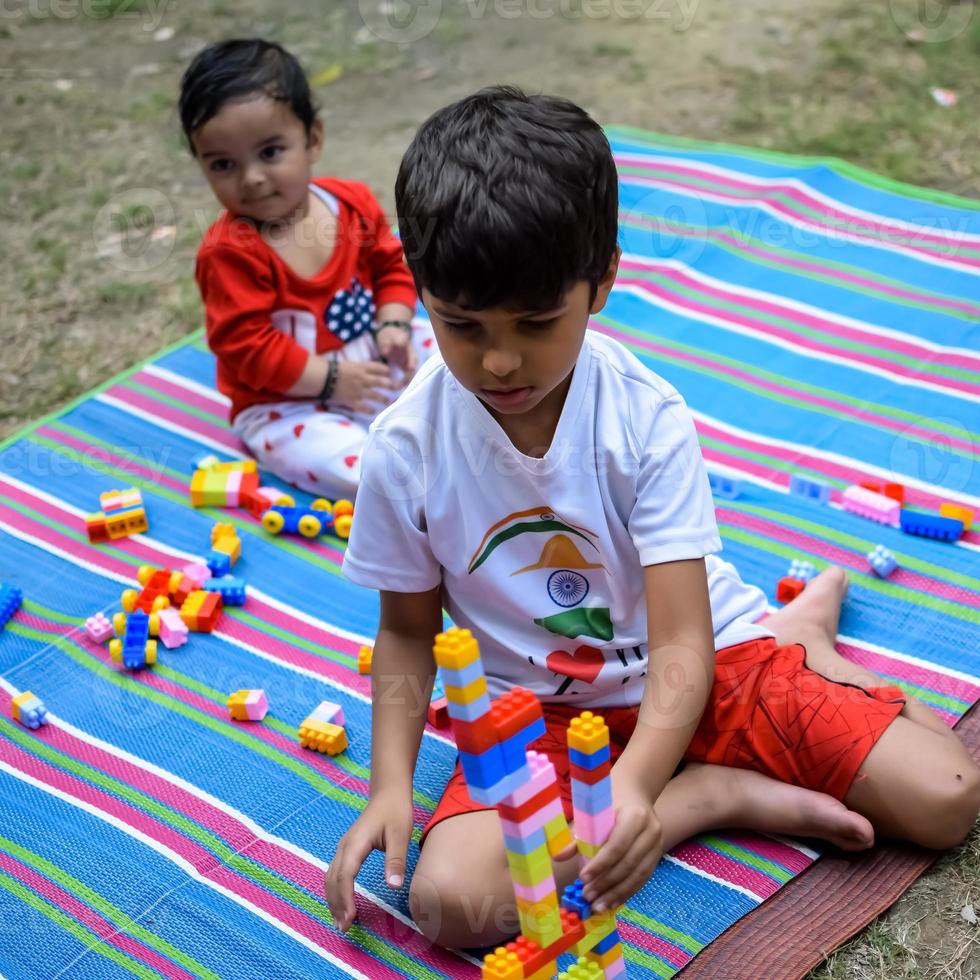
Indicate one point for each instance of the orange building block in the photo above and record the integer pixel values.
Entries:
(322, 736)
(364, 657)
(201, 611)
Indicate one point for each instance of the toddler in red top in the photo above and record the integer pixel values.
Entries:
(308, 300)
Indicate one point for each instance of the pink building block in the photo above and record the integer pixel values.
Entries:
(198, 573)
(327, 711)
(173, 630)
(534, 893)
(874, 506)
(98, 629)
(536, 821)
(594, 827)
(248, 705)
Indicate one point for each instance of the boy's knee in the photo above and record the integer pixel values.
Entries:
(951, 809)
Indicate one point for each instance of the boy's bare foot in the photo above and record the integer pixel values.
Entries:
(746, 799)
(816, 611)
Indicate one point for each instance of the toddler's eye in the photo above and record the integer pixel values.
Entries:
(221, 166)
(271, 152)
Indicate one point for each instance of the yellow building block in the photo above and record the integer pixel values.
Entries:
(558, 835)
(957, 512)
(121, 524)
(540, 921)
(582, 969)
(610, 956)
(502, 965)
(364, 657)
(588, 733)
(547, 972)
(586, 849)
(597, 927)
(455, 648)
(530, 869)
(236, 466)
(322, 736)
(465, 695)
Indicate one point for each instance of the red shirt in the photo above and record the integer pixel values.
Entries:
(263, 319)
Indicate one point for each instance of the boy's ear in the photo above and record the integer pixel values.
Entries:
(314, 142)
(606, 283)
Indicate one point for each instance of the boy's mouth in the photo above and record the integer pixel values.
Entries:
(505, 398)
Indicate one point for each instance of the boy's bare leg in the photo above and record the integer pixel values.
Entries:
(461, 893)
(918, 782)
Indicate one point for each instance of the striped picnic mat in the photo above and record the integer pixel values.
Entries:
(819, 320)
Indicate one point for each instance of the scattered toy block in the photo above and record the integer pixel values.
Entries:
(155, 592)
(958, 513)
(364, 657)
(258, 501)
(801, 570)
(439, 713)
(583, 969)
(930, 525)
(201, 611)
(787, 589)
(310, 522)
(725, 487)
(98, 628)
(894, 490)
(328, 711)
(197, 573)
(96, 527)
(882, 561)
(123, 512)
(173, 629)
(874, 506)
(29, 710)
(802, 486)
(248, 705)
(10, 599)
(321, 736)
(135, 648)
(224, 538)
(230, 588)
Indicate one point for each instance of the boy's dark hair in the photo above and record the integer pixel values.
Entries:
(507, 199)
(239, 70)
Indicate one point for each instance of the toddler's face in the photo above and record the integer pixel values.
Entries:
(257, 158)
(514, 360)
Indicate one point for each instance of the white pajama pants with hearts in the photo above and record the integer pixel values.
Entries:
(314, 447)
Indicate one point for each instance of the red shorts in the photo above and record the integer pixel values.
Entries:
(766, 711)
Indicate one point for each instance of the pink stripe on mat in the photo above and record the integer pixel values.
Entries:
(653, 944)
(725, 868)
(107, 931)
(183, 394)
(790, 858)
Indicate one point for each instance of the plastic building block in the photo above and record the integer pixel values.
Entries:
(439, 713)
(787, 589)
(96, 527)
(874, 506)
(882, 561)
(364, 657)
(155, 592)
(29, 710)
(310, 521)
(502, 964)
(583, 969)
(248, 705)
(573, 900)
(173, 630)
(724, 486)
(328, 711)
(218, 564)
(259, 500)
(134, 648)
(10, 599)
(958, 513)
(802, 486)
(230, 588)
(123, 512)
(322, 736)
(204, 461)
(224, 538)
(197, 573)
(930, 525)
(894, 490)
(98, 628)
(801, 570)
(588, 733)
(201, 611)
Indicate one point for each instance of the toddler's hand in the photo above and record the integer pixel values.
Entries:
(363, 386)
(630, 854)
(385, 825)
(395, 346)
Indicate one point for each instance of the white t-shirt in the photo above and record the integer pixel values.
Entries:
(543, 558)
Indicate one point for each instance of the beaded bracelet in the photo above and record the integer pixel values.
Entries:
(326, 392)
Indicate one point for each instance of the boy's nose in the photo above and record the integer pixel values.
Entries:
(501, 363)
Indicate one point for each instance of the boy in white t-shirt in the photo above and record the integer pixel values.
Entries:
(547, 488)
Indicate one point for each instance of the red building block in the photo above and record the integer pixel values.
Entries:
(788, 589)
(514, 711)
(439, 713)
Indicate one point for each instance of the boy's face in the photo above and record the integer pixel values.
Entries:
(257, 158)
(516, 361)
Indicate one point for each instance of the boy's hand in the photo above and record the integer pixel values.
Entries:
(632, 851)
(385, 825)
(363, 385)
(395, 346)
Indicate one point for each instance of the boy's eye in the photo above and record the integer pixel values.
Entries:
(459, 324)
(271, 152)
(542, 323)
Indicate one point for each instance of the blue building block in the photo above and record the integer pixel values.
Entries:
(573, 900)
(593, 798)
(802, 486)
(492, 795)
(606, 943)
(801, 570)
(591, 760)
(528, 844)
(231, 589)
(882, 561)
(483, 769)
(462, 677)
(724, 486)
(30, 711)
(218, 563)
(10, 599)
(930, 525)
(515, 748)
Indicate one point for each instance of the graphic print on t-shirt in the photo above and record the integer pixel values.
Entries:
(558, 585)
(351, 312)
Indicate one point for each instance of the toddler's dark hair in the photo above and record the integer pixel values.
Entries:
(507, 199)
(238, 70)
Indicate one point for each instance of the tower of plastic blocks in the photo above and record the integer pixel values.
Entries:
(500, 771)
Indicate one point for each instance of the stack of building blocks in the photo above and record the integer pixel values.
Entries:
(217, 484)
(500, 771)
(134, 648)
(173, 630)
(725, 487)
(957, 512)
(802, 486)
(930, 525)
(122, 514)
(894, 490)
(874, 506)
(201, 611)
(364, 657)
(98, 628)
(10, 599)
(229, 587)
(248, 705)
(439, 713)
(323, 729)
(29, 710)
(226, 549)
(882, 561)
(801, 570)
